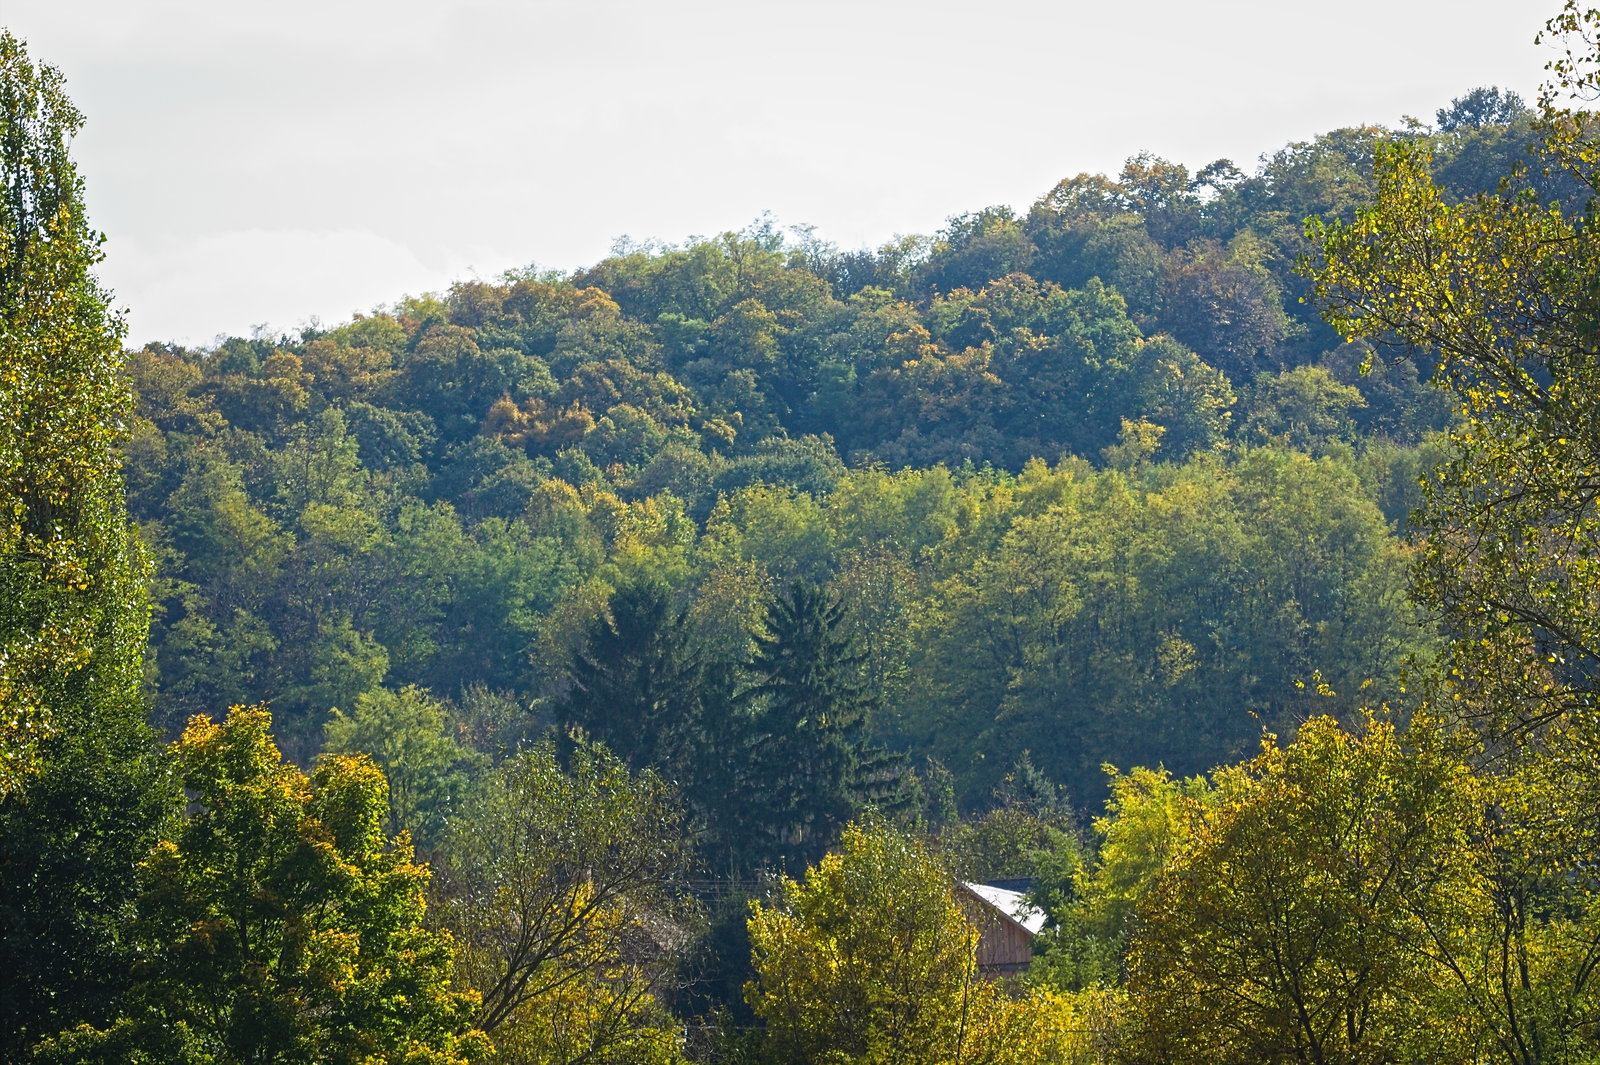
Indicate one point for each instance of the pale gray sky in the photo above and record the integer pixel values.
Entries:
(270, 163)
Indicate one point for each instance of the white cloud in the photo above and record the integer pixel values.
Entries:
(235, 152)
(229, 283)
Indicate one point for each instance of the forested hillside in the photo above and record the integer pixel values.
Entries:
(621, 667)
(1092, 482)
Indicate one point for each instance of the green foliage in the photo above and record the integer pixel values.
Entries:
(81, 796)
(1048, 490)
(1495, 290)
(1498, 292)
(557, 885)
(1287, 929)
(1160, 620)
(1029, 815)
(436, 494)
(1513, 957)
(1090, 893)
(783, 530)
(71, 623)
(579, 493)
(809, 763)
(407, 733)
(69, 844)
(215, 595)
(868, 958)
(1304, 407)
(1177, 391)
(1483, 106)
(281, 923)
(635, 682)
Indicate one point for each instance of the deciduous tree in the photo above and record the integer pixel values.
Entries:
(869, 958)
(406, 733)
(1287, 931)
(1499, 293)
(80, 792)
(557, 884)
(281, 923)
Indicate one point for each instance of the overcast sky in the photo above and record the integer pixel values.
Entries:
(274, 163)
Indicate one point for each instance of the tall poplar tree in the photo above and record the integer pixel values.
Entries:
(79, 794)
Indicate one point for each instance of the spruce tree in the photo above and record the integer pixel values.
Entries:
(811, 761)
(635, 681)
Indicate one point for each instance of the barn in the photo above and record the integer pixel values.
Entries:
(1006, 925)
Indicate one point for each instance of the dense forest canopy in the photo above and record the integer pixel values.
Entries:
(622, 664)
(1092, 481)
